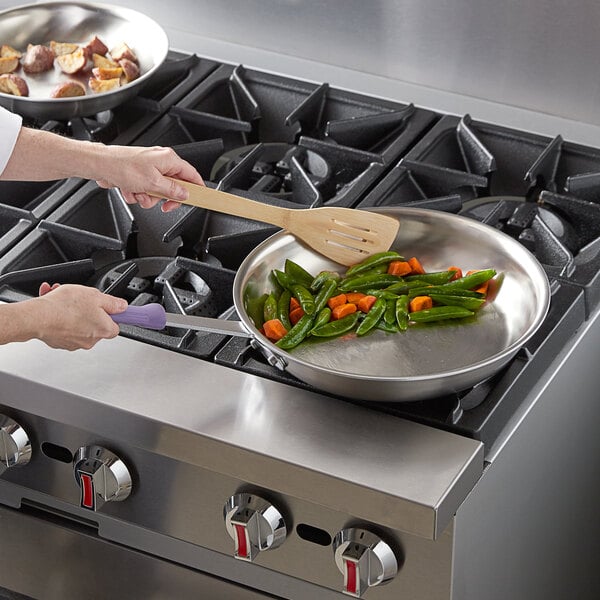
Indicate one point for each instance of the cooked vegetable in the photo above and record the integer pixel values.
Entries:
(374, 260)
(13, 84)
(38, 59)
(297, 333)
(68, 89)
(274, 329)
(380, 293)
(335, 328)
(8, 64)
(366, 303)
(399, 267)
(420, 303)
(440, 313)
(372, 317)
(343, 310)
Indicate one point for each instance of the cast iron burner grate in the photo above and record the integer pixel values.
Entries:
(182, 286)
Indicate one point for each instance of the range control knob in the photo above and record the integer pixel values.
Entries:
(364, 559)
(101, 475)
(254, 524)
(15, 447)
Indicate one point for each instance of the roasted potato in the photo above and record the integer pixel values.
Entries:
(107, 72)
(60, 48)
(123, 51)
(14, 85)
(68, 89)
(8, 64)
(8, 52)
(95, 46)
(72, 63)
(98, 86)
(103, 62)
(38, 59)
(130, 69)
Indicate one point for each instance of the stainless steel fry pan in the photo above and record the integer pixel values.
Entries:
(427, 361)
(78, 22)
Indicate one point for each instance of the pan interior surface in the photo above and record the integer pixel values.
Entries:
(425, 351)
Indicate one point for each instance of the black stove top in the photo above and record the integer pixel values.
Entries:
(299, 144)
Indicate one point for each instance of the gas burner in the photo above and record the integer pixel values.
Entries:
(267, 168)
(542, 230)
(178, 284)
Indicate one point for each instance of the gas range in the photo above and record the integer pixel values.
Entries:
(210, 449)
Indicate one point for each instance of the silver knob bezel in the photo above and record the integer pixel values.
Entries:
(15, 446)
(265, 525)
(378, 560)
(112, 479)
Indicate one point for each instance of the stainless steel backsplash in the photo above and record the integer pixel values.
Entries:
(541, 56)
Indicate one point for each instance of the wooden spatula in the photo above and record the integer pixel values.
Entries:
(344, 235)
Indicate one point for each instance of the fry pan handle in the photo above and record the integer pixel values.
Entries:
(149, 316)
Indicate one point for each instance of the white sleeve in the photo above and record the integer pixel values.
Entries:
(10, 125)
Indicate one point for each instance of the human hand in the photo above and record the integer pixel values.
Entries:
(71, 317)
(143, 173)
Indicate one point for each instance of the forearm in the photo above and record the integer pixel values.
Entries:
(44, 156)
(19, 322)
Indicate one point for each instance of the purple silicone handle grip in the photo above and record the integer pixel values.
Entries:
(149, 316)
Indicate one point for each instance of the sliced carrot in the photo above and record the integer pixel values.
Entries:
(354, 297)
(399, 268)
(274, 329)
(420, 303)
(483, 288)
(415, 265)
(365, 304)
(343, 310)
(338, 300)
(296, 315)
(457, 272)
(294, 303)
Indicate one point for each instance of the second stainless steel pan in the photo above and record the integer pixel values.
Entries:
(78, 22)
(425, 361)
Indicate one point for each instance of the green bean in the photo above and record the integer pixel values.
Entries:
(297, 273)
(389, 316)
(464, 301)
(402, 312)
(373, 261)
(372, 317)
(321, 278)
(391, 328)
(283, 309)
(304, 297)
(434, 278)
(270, 308)
(255, 308)
(443, 289)
(440, 313)
(471, 281)
(335, 328)
(327, 290)
(323, 317)
(297, 333)
(366, 282)
(283, 279)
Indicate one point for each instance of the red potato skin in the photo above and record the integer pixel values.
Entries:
(130, 69)
(68, 89)
(13, 85)
(95, 46)
(38, 59)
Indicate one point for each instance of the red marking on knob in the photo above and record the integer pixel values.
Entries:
(351, 576)
(242, 546)
(87, 490)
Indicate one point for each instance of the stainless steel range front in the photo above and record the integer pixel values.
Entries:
(178, 464)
